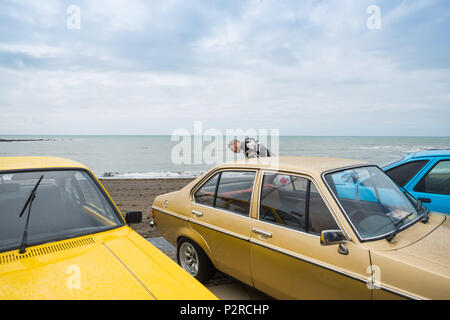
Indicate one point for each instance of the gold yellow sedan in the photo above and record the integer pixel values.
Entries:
(62, 237)
(308, 228)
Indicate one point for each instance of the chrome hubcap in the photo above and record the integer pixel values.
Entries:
(188, 258)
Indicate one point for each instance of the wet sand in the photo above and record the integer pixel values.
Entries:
(138, 195)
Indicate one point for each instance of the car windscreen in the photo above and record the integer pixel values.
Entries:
(371, 200)
(68, 203)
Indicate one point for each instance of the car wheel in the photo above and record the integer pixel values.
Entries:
(194, 260)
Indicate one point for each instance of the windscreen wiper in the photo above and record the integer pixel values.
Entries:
(28, 204)
(391, 236)
(426, 216)
(417, 204)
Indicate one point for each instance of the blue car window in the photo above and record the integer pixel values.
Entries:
(437, 180)
(403, 173)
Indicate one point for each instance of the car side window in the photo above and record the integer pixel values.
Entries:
(93, 199)
(234, 191)
(437, 180)
(405, 172)
(320, 217)
(207, 192)
(300, 208)
(281, 205)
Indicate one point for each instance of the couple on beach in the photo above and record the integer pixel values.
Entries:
(250, 147)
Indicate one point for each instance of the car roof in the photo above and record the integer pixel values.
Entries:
(22, 163)
(430, 153)
(311, 165)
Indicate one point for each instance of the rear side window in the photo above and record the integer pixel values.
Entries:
(403, 173)
(294, 202)
(235, 191)
(437, 180)
(228, 190)
(206, 194)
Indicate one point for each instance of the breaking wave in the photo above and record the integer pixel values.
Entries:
(151, 175)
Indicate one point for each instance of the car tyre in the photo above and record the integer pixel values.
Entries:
(194, 260)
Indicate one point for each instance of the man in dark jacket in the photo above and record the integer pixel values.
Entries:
(250, 147)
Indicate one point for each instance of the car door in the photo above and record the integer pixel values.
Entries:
(287, 259)
(221, 215)
(432, 187)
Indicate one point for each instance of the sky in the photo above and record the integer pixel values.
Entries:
(151, 67)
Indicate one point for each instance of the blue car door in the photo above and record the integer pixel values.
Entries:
(432, 185)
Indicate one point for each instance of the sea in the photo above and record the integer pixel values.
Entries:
(151, 157)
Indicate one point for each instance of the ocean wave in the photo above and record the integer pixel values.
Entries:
(34, 139)
(152, 175)
(409, 149)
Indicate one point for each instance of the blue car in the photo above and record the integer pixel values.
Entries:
(426, 176)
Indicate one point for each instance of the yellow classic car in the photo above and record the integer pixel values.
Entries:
(62, 237)
(308, 228)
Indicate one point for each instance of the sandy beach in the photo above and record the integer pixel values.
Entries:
(138, 195)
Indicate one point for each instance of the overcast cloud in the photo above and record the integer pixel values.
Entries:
(150, 67)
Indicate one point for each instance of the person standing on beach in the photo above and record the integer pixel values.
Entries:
(250, 147)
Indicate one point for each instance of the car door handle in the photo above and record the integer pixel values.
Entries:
(262, 232)
(426, 200)
(197, 213)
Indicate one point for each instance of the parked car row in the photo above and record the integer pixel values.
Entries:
(292, 227)
(309, 228)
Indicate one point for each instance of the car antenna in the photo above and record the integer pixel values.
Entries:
(28, 204)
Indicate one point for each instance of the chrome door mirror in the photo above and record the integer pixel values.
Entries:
(330, 237)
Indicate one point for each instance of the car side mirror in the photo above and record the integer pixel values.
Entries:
(133, 217)
(331, 237)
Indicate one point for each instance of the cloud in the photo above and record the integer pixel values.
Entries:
(42, 51)
(140, 67)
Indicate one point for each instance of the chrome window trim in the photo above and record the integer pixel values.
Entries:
(221, 230)
(199, 184)
(402, 294)
(224, 210)
(211, 173)
(314, 181)
(345, 213)
(287, 228)
(204, 224)
(170, 213)
(205, 179)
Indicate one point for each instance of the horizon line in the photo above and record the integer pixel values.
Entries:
(161, 135)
